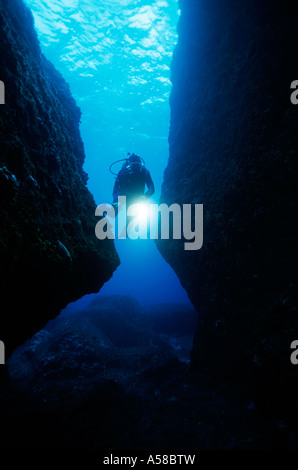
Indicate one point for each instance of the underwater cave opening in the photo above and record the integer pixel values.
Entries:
(116, 59)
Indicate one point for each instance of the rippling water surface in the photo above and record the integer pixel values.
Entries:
(116, 55)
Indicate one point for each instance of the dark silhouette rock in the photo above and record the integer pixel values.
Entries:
(234, 147)
(77, 384)
(113, 338)
(49, 254)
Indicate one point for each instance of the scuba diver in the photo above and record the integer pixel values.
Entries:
(132, 179)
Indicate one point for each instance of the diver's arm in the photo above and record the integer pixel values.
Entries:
(150, 185)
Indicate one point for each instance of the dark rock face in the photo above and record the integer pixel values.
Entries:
(234, 147)
(116, 376)
(48, 249)
(113, 338)
(107, 377)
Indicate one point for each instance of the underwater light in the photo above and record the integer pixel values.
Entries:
(148, 220)
(141, 212)
(139, 219)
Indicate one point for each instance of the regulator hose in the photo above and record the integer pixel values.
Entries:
(123, 160)
(117, 161)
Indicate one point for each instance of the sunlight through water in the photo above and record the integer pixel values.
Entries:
(116, 56)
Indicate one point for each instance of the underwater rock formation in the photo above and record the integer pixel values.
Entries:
(112, 338)
(48, 250)
(233, 147)
(116, 375)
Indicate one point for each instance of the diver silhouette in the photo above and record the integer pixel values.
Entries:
(132, 179)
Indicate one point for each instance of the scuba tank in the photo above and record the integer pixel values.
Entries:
(131, 178)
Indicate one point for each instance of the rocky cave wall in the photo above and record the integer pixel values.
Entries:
(234, 147)
(48, 250)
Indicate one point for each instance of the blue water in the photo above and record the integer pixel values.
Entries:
(116, 56)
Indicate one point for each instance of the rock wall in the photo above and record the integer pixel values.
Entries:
(234, 147)
(48, 250)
